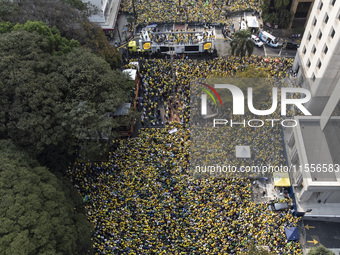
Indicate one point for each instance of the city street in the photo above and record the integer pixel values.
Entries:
(322, 232)
(223, 49)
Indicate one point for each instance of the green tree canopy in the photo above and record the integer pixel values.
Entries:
(57, 43)
(50, 102)
(284, 17)
(67, 16)
(39, 214)
(242, 45)
(7, 9)
(320, 250)
(279, 4)
(97, 42)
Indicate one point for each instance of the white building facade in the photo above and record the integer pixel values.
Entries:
(107, 14)
(313, 146)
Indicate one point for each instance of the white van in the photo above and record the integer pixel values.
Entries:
(257, 41)
(268, 39)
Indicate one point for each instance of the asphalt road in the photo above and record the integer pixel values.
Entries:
(326, 233)
(223, 49)
(274, 52)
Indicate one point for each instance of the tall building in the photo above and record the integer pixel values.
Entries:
(301, 10)
(313, 146)
(106, 15)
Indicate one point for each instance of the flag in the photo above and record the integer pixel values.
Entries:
(172, 131)
(86, 197)
(206, 3)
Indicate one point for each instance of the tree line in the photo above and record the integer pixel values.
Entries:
(59, 79)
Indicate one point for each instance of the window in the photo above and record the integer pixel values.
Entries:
(319, 64)
(320, 6)
(314, 49)
(332, 33)
(304, 50)
(314, 21)
(333, 2)
(319, 35)
(308, 63)
(325, 20)
(325, 49)
(309, 37)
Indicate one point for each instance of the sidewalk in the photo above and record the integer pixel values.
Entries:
(119, 36)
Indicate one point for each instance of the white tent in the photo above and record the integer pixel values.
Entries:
(242, 151)
(131, 72)
(252, 22)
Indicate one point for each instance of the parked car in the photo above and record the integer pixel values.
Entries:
(257, 41)
(291, 46)
(278, 206)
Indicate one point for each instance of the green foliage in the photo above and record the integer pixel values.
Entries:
(97, 42)
(7, 9)
(50, 103)
(66, 15)
(265, 7)
(270, 18)
(65, 23)
(256, 250)
(242, 45)
(6, 27)
(280, 15)
(37, 214)
(284, 18)
(75, 3)
(320, 250)
(281, 4)
(57, 43)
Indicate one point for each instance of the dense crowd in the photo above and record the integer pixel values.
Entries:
(183, 38)
(203, 11)
(143, 201)
(145, 198)
(167, 87)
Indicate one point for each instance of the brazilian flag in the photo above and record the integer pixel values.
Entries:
(206, 3)
(86, 197)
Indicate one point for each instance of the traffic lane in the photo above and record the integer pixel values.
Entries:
(267, 51)
(288, 53)
(326, 233)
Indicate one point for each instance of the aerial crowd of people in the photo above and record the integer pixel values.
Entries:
(184, 37)
(143, 201)
(201, 11)
(147, 199)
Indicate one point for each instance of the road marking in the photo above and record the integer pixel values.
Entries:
(314, 242)
(309, 227)
(265, 51)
